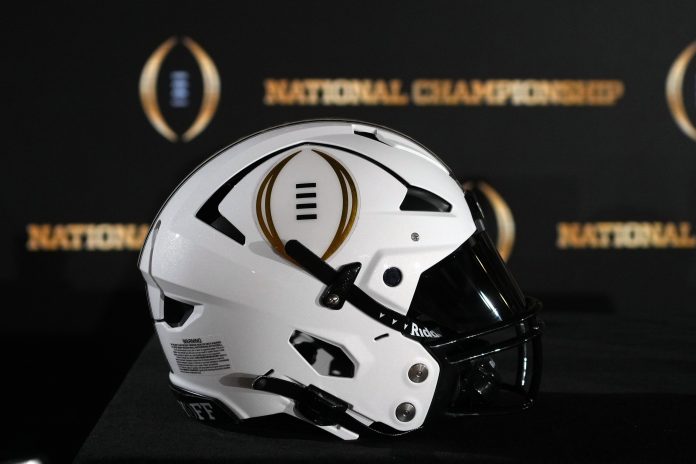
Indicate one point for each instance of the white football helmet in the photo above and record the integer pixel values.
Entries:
(337, 272)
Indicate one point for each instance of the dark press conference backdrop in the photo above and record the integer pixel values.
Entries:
(575, 123)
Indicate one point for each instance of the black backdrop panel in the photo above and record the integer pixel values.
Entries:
(600, 185)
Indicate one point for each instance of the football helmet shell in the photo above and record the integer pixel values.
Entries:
(293, 272)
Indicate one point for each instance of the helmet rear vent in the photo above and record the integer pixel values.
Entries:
(418, 199)
(209, 212)
(210, 215)
(175, 312)
(369, 135)
(325, 358)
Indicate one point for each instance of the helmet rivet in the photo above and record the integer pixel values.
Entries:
(415, 237)
(333, 299)
(405, 412)
(418, 373)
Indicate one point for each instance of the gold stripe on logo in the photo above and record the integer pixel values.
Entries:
(263, 213)
(211, 89)
(148, 89)
(347, 219)
(674, 90)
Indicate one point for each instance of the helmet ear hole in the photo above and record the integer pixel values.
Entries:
(392, 276)
(308, 351)
(325, 358)
(176, 313)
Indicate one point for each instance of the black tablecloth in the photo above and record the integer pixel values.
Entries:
(626, 394)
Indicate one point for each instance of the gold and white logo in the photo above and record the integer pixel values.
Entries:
(180, 81)
(305, 194)
(682, 68)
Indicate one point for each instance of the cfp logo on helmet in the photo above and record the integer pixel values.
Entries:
(302, 197)
(179, 80)
(681, 88)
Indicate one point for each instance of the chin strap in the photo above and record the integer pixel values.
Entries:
(319, 407)
(314, 404)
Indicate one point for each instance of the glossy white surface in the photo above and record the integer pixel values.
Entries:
(252, 298)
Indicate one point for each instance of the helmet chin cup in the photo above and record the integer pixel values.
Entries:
(480, 383)
(335, 271)
(472, 381)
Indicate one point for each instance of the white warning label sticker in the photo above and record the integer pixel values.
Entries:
(200, 355)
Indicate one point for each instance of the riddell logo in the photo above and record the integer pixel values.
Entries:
(424, 332)
(681, 91)
(179, 80)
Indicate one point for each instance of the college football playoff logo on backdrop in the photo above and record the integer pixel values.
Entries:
(307, 192)
(179, 89)
(681, 90)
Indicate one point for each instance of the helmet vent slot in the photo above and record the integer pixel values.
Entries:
(209, 212)
(325, 358)
(176, 313)
(418, 199)
(369, 135)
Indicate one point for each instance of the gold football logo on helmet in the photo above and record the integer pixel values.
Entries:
(309, 207)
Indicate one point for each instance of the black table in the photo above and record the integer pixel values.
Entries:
(624, 395)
